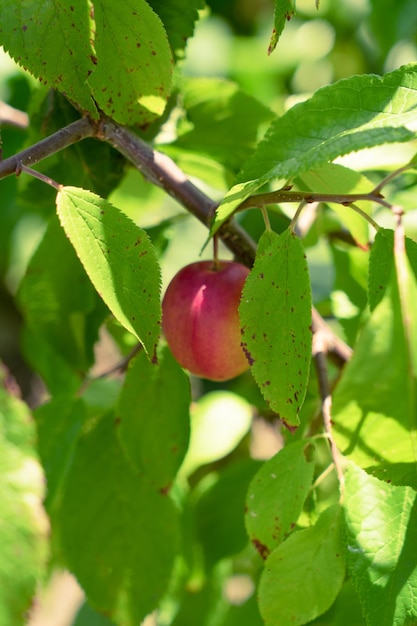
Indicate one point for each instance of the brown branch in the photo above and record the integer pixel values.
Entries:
(161, 170)
(78, 130)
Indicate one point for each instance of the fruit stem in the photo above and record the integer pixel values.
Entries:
(216, 262)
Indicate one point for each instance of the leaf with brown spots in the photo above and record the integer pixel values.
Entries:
(134, 62)
(277, 493)
(275, 313)
(52, 40)
(284, 10)
(110, 246)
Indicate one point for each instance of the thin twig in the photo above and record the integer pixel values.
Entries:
(319, 355)
(391, 176)
(121, 366)
(285, 196)
(45, 179)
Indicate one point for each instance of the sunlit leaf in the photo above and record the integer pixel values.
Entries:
(275, 313)
(336, 179)
(277, 493)
(132, 77)
(303, 576)
(381, 525)
(118, 258)
(351, 114)
(374, 405)
(119, 59)
(219, 421)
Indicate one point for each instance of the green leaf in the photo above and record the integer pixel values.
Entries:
(219, 512)
(346, 603)
(52, 40)
(303, 575)
(277, 493)
(59, 424)
(179, 19)
(87, 616)
(118, 57)
(374, 405)
(349, 294)
(23, 524)
(119, 260)
(118, 535)
(61, 312)
(219, 421)
(275, 313)
(351, 114)
(284, 10)
(132, 78)
(381, 264)
(336, 179)
(90, 164)
(221, 121)
(381, 537)
(153, 414)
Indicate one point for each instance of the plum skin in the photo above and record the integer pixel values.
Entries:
(200, 319)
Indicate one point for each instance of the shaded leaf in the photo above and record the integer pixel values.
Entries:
(275, 314)
(303, 575)
(59, 424)
(119, 260)
(219, 512)
(381, 527)
(23, 524)
(153, 414)
(276, 495)
(118, 535)
(61, 310)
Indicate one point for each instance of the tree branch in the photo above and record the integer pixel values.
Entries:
(159, 169)
(64, 137)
